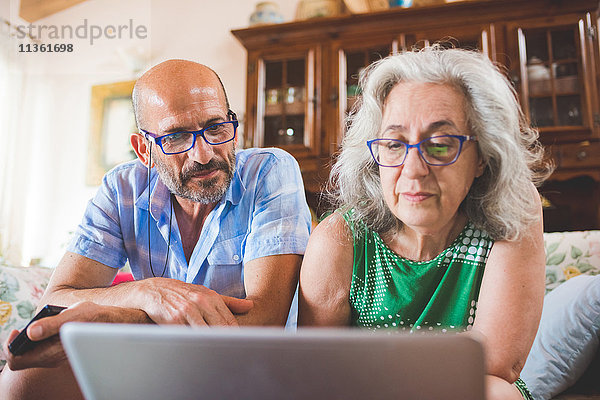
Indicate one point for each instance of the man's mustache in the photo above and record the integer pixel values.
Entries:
(196, 167)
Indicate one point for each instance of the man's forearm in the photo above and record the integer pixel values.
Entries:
(124, 295)
(78, 278)
(263, 314)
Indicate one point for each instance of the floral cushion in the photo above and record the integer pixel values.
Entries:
(569, 254)
(20, 291)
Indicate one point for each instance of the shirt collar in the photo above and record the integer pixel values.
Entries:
(236, 188)
(142, 200)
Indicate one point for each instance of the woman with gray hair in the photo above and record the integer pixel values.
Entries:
(447, 237)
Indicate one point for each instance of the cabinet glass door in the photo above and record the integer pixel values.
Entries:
(354, 62)
(285, 119)
(552, 87)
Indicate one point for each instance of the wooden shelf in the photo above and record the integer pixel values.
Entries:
(565, 86)
(280, 109)
(273, 110)
(296, 108)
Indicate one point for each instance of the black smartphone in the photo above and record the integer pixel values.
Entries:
(22, 343)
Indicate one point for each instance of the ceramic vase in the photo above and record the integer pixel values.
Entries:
(266, 12)
(401, 3)
(317, 8)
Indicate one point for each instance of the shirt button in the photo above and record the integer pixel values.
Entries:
(236, 257)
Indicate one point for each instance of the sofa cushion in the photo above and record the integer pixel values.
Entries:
(569, 254)
(567, 339)
(20, 291)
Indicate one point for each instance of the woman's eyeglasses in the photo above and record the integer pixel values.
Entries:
(435, 150)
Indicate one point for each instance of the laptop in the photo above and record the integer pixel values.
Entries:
(114, 361)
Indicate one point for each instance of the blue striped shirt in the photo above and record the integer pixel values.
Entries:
(264, 212)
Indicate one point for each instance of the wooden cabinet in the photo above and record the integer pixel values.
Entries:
(557, 79)
(302, 82)
(556, 76)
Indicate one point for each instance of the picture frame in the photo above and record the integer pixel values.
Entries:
(111, 123)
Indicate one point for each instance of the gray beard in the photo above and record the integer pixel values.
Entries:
(206, 192)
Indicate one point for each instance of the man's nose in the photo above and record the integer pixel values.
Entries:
(202, 152)
(414, 165)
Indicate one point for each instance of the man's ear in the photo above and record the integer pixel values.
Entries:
(141, 146)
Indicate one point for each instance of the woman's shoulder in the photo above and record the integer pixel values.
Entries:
(331, 239)
(335, 226)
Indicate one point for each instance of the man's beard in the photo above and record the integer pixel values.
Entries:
(206, 191)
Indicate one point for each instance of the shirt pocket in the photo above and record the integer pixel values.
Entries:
(226, 269)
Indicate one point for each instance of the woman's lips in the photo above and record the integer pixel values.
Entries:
(416, 197)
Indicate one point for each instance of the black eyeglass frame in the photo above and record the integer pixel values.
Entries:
(461, 138)
(156, 139)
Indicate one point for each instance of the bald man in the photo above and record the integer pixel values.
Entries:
(213, 237)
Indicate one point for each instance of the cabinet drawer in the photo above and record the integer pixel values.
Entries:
(577, 155)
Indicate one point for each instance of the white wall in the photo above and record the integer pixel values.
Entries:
(56, 98)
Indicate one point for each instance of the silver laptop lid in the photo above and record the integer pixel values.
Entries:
(113, 361)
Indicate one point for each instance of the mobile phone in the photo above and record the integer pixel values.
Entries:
(22, 343)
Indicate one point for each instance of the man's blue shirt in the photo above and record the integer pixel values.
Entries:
(263, 213)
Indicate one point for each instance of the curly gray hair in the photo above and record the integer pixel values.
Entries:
(499, 201)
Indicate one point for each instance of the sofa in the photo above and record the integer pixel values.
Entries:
(564, 362)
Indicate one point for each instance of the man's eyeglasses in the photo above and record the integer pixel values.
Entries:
(435, 150)
(180, 142)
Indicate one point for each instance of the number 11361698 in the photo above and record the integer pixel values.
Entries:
(45, 48)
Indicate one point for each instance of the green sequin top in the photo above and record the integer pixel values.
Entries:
(389, 291)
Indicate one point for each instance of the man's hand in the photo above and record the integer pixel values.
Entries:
(49, 353)
(176, 302)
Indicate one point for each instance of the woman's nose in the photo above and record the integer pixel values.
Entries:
(414, 165)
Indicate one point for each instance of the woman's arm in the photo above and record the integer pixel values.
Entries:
(510, 301)
(326, 275)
